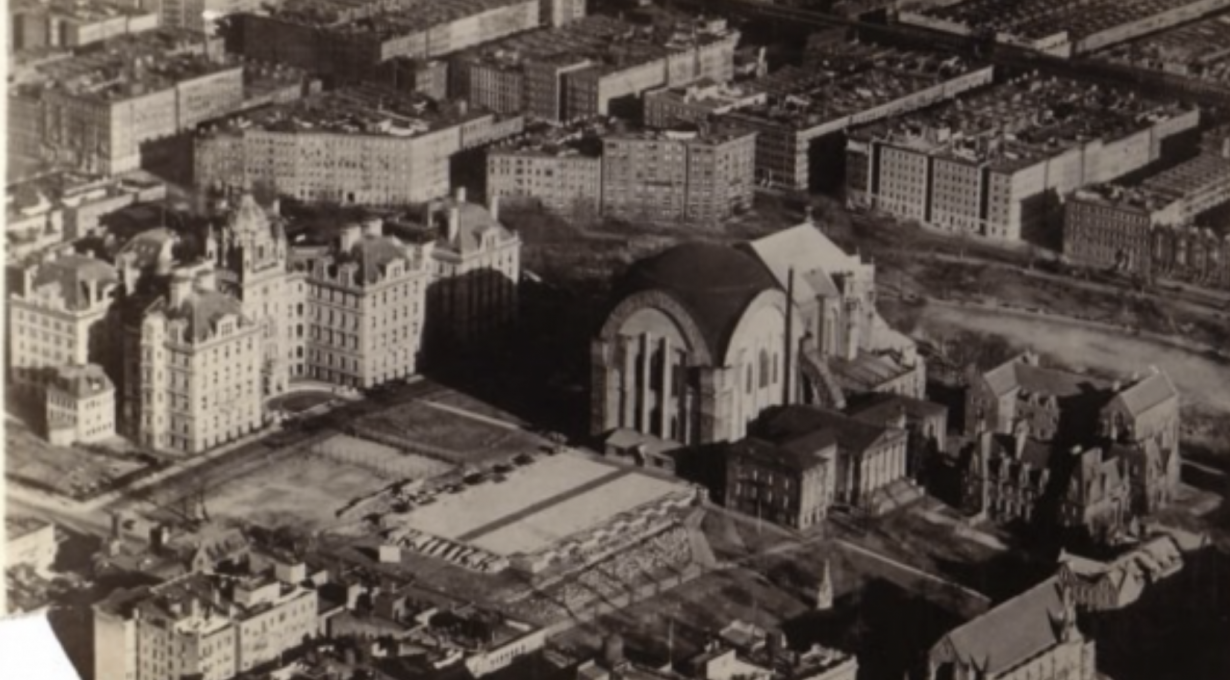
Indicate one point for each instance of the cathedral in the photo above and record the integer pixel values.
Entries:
(703, 338)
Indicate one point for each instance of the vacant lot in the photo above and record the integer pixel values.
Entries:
(302, 491)
(464, 440)
(64, 470)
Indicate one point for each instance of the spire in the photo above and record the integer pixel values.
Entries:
(824, 593)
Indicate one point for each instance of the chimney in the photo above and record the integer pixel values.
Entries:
(181, 288)
(454, 223)
(275, 208)
(350, 237)
(493, 206)
(117, 524)
(461, 195)
(373, 227)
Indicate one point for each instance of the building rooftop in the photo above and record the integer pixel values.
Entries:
(111, 76)
(885, 407)
(705, 135)
(603, 42)
(16, 526)
(82, 382)
(798, 454)
(849, 78)
(1200, 50)
(80, 279)
(1021, 122)
(1148, 393)
(786, 423)
(1024, 374)
(78, 11)
(358, 110)
(1034, 19)
(383, 19)
(201, 311)
(1015, 630)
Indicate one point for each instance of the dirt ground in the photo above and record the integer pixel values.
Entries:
(303, 491)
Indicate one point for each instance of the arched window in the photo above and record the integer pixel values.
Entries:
(764, 369)
(749, 378)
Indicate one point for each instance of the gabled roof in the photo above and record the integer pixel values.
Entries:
(373, 254)
(1020, 373)
(813, 257)
(883, 407)
(1011, 632)
(74, 275)
(868, 372)
(1147, 394)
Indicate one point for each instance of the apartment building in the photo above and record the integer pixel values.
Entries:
(65, 206)
(698, 102)
(200, 360)
(203, 625)
(96, 119)
(365, 307)
(345, 40)
(202, 16)
(692, 176)
(1150, 230)
(38, 25)
(595, 66)
(1000, 163)
(1057, 27)
(562, 180)
(59, 316)
(29, 541)
(805, 112)
(80, 405)
(477, 268)
(251, 257)
(362, 145)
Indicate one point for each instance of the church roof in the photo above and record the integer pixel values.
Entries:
(813, 257)
(1147, 394)
(73, 273)
(714, 283)
(1015, 630)
(1018, 373)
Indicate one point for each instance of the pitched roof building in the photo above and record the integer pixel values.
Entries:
(1032, 635)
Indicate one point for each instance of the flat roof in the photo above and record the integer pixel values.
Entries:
(604, 42)
(358, 110)
(408, 16)
(1020, 122)
(1034, 19)
(848, 78)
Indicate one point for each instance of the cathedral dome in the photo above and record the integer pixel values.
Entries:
(713, 283)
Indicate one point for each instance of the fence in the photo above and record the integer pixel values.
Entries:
(604, 606)
(408, 445)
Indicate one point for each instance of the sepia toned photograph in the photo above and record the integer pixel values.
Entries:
(617, 340)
